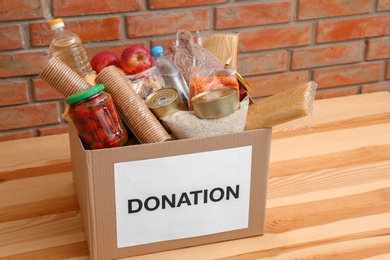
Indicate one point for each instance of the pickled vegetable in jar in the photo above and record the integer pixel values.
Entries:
(96, 118)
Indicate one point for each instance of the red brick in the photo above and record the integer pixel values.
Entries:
(21, 10)
(253, 14)
(314, 9)
(42, 91)
(53, 130)
(165, 43)
(93, 30)
(348, 74)
(162, 4)
(336, 92)
(151, 24)
(275, 83)
(14, 93)
(387, 74)
(22, 64)
(375, 87)
(61, 8)
(383, 5)
(16, 135)
(29, 116)
(11, 37)
(356, 28)
(262, 63)
(328, 55)
(272, 38)
(378, 48)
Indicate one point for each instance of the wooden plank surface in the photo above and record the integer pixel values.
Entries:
(328, 194)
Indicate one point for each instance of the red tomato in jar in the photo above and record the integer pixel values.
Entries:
(114, 116)
(100, 135)
(90, 126)
(111, 106)
(80, 113)
(112, 142)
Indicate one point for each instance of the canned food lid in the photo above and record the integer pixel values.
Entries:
(86, 93)
(211, 96)
(161, 97)
(163, 102)
(216, 103)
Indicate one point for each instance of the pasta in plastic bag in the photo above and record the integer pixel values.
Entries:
(285, 106)
(224, 46)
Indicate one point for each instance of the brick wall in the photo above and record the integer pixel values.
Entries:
(344, 45)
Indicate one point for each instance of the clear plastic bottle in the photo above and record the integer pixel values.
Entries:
(171, 74)
(67, 47)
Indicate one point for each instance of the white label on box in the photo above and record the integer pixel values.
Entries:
(182, 196)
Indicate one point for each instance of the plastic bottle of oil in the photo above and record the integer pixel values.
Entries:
(67, 47)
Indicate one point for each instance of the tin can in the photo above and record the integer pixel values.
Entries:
(216, 103)
(164, 101)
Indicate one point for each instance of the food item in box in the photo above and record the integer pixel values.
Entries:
(146, 82)
(170, 73)
(216, 103)
(224, 46)
(104, 59)
(206, 79)
(187, 54)
(184, 124)
(135, 59)
(164, 101)
(96, 119)
(133, 110)
(62, 78)
(285, 106)
(68, 47)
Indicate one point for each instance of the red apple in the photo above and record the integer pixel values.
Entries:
(135, 59)
(104, 59)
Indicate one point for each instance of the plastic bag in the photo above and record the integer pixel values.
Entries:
(184, 124)
(224, 46)
(187, 55)
(280, 108)
(146, 82)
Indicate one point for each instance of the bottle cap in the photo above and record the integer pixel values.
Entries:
(86, 93)
(156, 50)
(56, 23)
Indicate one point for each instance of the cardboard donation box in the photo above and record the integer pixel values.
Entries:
(146, 198)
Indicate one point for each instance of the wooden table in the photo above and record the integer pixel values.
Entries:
(328, 196)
